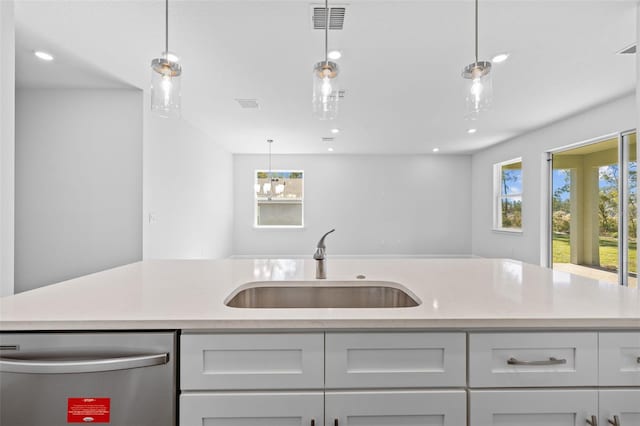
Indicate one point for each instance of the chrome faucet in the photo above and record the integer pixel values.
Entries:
(319, 256)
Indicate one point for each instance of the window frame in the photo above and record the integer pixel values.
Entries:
(498, 196)
(256, 225)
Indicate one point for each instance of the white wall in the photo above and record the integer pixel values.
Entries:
(411, 205)
(188, 192)
(7, 145)
(612, 117)
(78, 183)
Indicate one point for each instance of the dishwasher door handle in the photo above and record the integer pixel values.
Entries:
(29, 366)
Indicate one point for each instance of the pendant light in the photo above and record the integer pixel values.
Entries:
(325, 80)
(268, 187)
(165, 78)
(478, 87)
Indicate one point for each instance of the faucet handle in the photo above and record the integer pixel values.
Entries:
(321, 242)
(319, 254)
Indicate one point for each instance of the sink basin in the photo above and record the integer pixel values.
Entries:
(327, 294)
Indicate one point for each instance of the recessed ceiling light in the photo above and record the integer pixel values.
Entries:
(335, 131)
(472, 131)
(436, 149)
(335, 55)
(500, 58)
(43, 55)
(330, 149)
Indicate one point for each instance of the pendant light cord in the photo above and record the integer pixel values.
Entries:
(270, 173)
(326, 32)
(476, 31)
(166, 29)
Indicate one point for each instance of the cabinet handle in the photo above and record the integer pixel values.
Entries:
(615, 421)
(550, 361)
(593, 421)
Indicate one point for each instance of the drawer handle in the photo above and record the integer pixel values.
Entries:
(550, 361)
(593, 421)
(615, 421)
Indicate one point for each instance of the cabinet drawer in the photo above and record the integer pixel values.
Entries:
(406, 408)
(252, 409)
(533, 359)
(623, 403)
(251, 361)
(537, 407)
(619, 358)
(394, 360)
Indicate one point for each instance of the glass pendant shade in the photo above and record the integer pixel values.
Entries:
(165, 85)
(478, 88)
(325, 90)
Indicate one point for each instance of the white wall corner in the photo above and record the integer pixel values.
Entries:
(7, 146)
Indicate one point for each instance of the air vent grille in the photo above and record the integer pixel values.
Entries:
(248, 103)
(336, 18)
(328, 139)
(629, 50)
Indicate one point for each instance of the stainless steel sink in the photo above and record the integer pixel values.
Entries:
(331, 294)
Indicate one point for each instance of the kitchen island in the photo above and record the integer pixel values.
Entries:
(491, 342)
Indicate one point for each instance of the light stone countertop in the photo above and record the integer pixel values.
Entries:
(455, 294)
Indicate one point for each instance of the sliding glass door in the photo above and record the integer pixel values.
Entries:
(593, 209)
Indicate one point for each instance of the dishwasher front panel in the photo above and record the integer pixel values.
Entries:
(61, 379)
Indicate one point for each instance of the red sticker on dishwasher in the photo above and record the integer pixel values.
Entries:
(88, 410)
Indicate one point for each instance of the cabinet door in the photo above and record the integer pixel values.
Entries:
(624, 403)
(619, 357)
(251, 409)
(532, 408)
(394, 408)
(395, 360)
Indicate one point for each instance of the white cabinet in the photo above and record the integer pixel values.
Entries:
(394, 408)
(621, 403)
(395, 360)
(223, 375)
(252, 409)
(619, 355)
(410, 378)
(532, 408)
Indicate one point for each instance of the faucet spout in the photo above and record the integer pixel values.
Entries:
(320, 256)
(321, 242)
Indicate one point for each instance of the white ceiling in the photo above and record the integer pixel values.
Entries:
(401, 65)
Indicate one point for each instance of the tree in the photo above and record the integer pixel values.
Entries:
(608, 200)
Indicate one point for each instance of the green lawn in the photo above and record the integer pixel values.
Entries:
(608, 252)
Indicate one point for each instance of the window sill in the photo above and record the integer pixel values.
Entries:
(507, 231)
(278, 226)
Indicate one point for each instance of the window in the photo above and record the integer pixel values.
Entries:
(507, 190)
(279, 196)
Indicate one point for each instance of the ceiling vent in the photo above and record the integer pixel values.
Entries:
(629, 50)
(328, 139)
(248, 103)
(336, 17)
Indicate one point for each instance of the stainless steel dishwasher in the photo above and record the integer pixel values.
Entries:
(55, 379)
